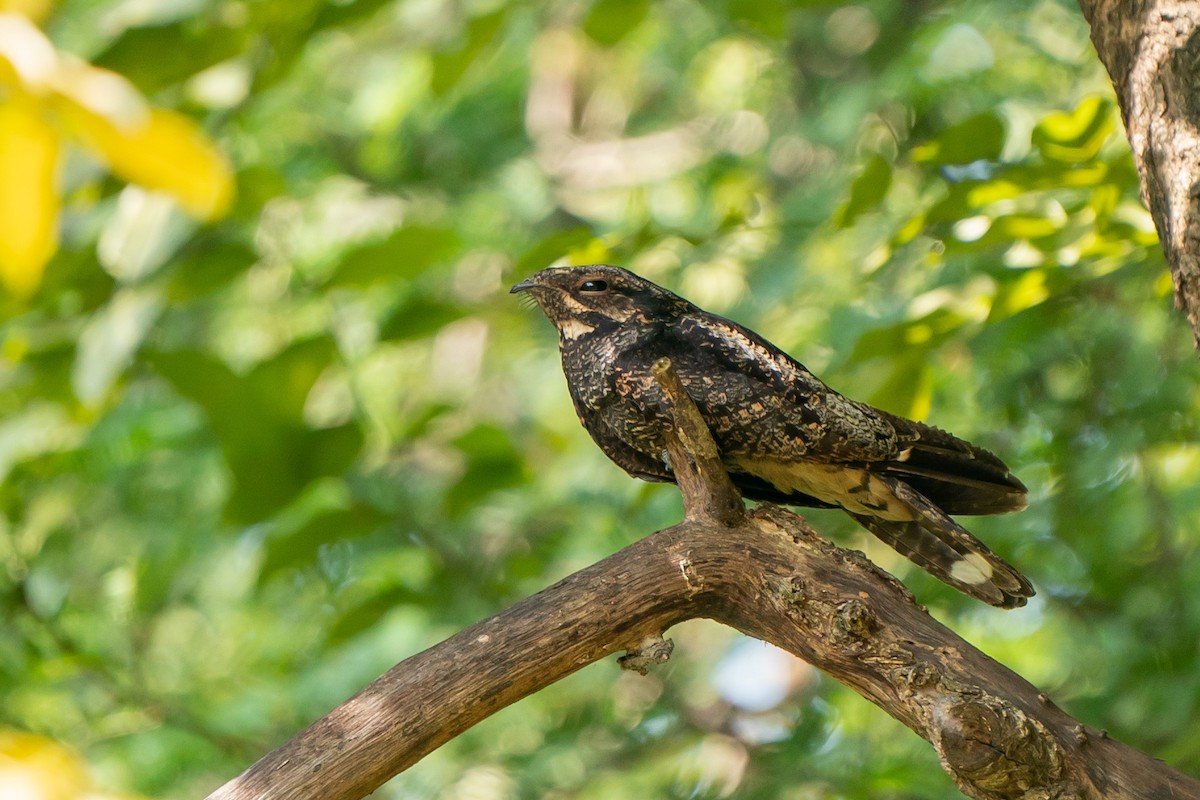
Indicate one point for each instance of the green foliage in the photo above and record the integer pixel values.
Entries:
(867, 191)
(976, 138)
(319, 436)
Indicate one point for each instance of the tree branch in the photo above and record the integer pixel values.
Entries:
(764, 572)
(707, 491)
(1151, 49)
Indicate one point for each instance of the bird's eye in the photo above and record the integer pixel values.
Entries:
(594, 286)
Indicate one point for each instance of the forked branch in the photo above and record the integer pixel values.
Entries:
(764, 572)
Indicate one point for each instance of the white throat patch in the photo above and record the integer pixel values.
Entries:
(573, 329)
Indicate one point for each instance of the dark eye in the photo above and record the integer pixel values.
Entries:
(594, 286)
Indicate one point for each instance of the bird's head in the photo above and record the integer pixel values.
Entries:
(579, 300)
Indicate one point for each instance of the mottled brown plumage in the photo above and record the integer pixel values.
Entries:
(783, 435)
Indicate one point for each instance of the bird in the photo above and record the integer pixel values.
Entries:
(783, 435)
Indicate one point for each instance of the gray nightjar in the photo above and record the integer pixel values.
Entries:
(783, 435)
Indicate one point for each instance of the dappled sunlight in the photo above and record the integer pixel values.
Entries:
(258, 446)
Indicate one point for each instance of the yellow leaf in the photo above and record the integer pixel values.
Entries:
(37, 767)
(29, 154)
(162, 150)
(27, 58)
(34, 9)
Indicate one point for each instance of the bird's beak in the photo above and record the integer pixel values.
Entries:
(524, 286)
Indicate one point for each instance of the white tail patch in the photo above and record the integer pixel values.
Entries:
(973, 569)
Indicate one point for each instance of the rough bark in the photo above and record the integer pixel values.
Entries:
(1151, 49)
(764, 572)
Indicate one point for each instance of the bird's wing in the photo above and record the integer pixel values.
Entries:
(761, 401)
(766, 408)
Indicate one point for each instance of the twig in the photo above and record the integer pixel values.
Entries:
(707, 491)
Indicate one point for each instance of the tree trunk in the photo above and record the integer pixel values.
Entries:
(766, 573)
(1151, 49)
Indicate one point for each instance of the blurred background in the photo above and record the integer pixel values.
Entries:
(269, 422)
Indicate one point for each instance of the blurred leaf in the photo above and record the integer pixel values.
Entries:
(418, 317)
(282, 383)
(258, 421)
(111, 337)
(146, 230)
(419, 425)
(609, 21)
(406, 253)
(956, 205)
(551, 248)
(366, 615)
(38, 768)
(1015, 296)
(162, 150)
(867, 191)
(450, 65)
(329, 451)
(493, 462)
(298, 548)
(894, 341)
(35, 10)
(768, 17)
(594, 251)
(344, 13)
(29, 156)
(1011, 227)
(256, 185)
(208, 263)
(41, 427)
(908, 390)
(975, 138)
(155, 57)
(1076, 136)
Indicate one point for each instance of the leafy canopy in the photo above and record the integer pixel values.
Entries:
(249, 463)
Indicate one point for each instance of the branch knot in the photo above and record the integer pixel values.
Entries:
(651, 651)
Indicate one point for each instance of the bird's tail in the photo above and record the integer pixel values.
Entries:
(948, 551)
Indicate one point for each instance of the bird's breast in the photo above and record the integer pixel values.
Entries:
(588, 369)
